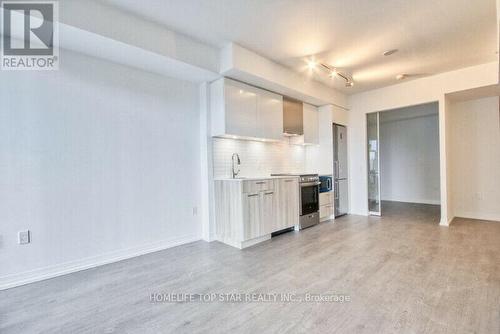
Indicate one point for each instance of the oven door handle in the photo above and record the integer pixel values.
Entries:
(308, 184)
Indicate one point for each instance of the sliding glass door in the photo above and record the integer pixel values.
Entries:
(373, 145)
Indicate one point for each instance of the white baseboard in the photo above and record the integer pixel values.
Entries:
(248, 243)
(417, 201)
(446, 223)
(242, 244)
(359, 213)
(211, 237)
(480, 216)
(40, 274)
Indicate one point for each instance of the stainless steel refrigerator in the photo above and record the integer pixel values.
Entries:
(340, 170)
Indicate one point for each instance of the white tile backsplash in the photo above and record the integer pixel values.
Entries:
(257, 158)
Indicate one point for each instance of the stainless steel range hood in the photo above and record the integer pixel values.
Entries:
(293, 119)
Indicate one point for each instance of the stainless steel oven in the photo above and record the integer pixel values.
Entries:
(309, 200)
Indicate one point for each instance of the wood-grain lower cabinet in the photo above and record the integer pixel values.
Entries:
(326, 206)
(287, 204)
(248, 211)
(251, 216)
(258, 214)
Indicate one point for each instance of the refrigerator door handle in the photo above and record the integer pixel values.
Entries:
(336, 191)
(336, 169)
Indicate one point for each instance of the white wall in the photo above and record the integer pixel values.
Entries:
(106, 21)
(409, 154)
(410, 93)
(257, 158)
(99, 161)
(475, 158)
(319, 158)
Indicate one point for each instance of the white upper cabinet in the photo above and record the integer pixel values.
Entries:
(310, 121)
(311, 126)
(242, 110)
(269, 115)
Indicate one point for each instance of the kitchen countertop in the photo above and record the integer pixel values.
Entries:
(243, 178)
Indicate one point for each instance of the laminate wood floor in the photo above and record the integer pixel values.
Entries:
(403, 273)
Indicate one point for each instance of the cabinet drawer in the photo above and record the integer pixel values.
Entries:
(257, 185)
(326, 198)
(325, 212)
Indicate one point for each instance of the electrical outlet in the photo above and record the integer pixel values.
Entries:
(195, 211)
(24, 237)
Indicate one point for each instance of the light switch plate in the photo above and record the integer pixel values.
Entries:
(24, 237)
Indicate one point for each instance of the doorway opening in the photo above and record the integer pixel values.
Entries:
(403, 161)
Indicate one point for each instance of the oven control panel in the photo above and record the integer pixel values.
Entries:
(309, 178)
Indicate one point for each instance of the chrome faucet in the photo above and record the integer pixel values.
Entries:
(238, 162)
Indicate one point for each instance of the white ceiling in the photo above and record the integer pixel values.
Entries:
(433, 36)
